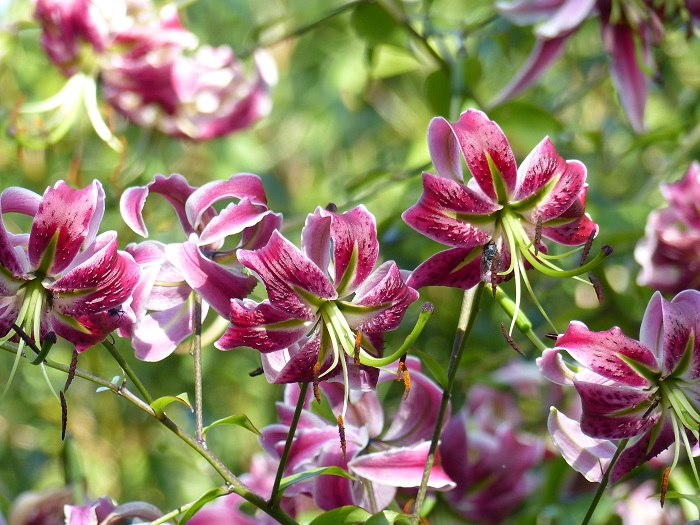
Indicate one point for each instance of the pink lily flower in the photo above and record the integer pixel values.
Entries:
(490, 484)
(644, 390)
(206, 263)
(669, 253)
(62, 277)
(104, 511)
(496, 221)
(326, 302)
(622, 25)
(381, 461)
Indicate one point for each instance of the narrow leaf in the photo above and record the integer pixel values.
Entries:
(159, 404)
(342, 516)
(387, 517)
(240, 420)
(433, 367)
(302, 476)
(692, 498)
(205, 498)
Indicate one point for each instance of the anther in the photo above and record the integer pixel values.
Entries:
(552, 336)
(651, 408)
(341, 433)
(538, 235)
(491, 263)
(587, 248)
(356, 354)
(402, 374)
(258, 371)
(664, 486)
(64, 415)
(27, 340)
(71, 370)
(317, 371)
(510, 340)
(597, 287)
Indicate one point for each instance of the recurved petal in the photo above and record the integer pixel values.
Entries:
(528, 12)
(451, 213)
(573, 233)
(602, 353)
(240, 186)
(643, 450)
(545, 52)
(352, 237)
(231, 221)
(585, 454)
(295, 364)
(381, 301)
(682, 195)
(214, 283)
(554, 368)
(16, 199)
(73, 216)
(103, 281)
(479, 139)
(456, 267)
(289, 276)
(174, 188)
(567, 18)
(261, 326)
(630, 81)
(401, 467)
(614, 411)
(83, 331)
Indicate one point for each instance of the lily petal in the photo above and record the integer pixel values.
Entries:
(569, 16)
(456, 267)
(587, 455)
(602, 353)
(231, 221)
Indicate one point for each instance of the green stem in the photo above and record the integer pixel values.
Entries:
(128, 371)
(276, 495)
(604, 482)
(467, 317)
(197, 358)
(236, 484)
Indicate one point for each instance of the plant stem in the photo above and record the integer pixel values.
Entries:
(196, 353)
(276, 495)
(467, 317)
(604, 482)
(128, 371)
(231, 479)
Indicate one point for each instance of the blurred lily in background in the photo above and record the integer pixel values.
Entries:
(669, 252)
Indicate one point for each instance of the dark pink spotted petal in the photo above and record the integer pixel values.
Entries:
(380, 303)
(642, 451)
(93, 328)
(601, 352)
(478, 138)
(295, 364)
(232, 221)
(573, 233)
(73, 216)
(457, 268)
(104, 281)
(262, 326)
(451, 213)
(214, 283)
(292, 280)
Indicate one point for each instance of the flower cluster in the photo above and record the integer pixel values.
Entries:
(669, 253)
(152, 70)
(628, 31)
(645, 391)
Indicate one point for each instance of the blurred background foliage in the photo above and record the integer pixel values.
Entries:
(348, 125)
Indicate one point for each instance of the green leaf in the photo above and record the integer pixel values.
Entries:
(301, 476)
(342, 516)
(433, 367)
(240, 420)
(387, 517)
(391, 61)
(692, 498)
(159, 404)
(375, 26)
(201, 501)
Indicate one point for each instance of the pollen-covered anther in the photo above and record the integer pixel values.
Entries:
(664, 486)
(538, 235)
(317, 371)
(402, 374)
(71, 370)
(597, 287)
(510, 340)
(341, 433)
(356, 354)
(587, 248)
(552, 336)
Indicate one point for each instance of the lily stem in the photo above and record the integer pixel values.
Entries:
(231, 479)
(276, 495)
(604, 482)
(128, 371)
(467, 317)
(196, 353)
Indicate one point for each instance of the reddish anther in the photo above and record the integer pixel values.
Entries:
(341, 433)
(317, 371)
(510, 340)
